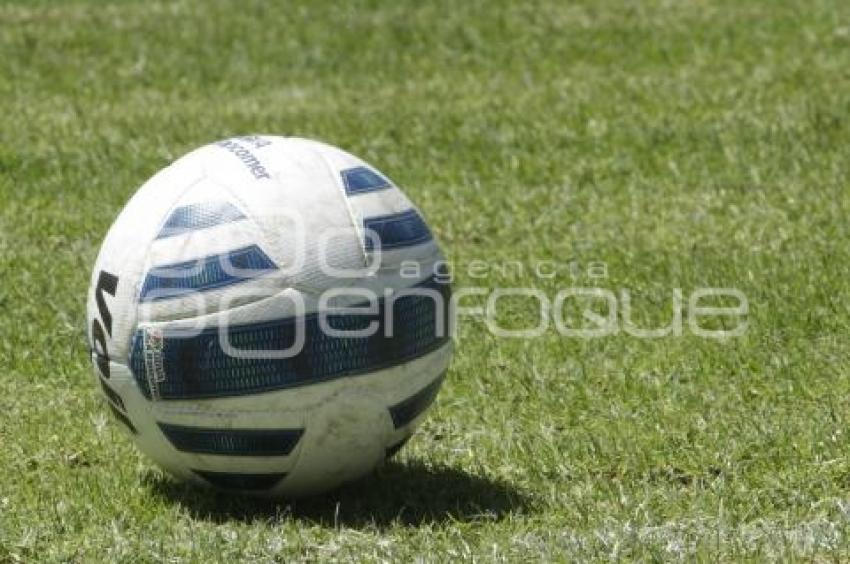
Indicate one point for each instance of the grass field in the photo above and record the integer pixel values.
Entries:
(682, 144)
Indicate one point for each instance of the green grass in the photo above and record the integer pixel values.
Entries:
(683, 144)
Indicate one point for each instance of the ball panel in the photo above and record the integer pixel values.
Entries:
(307, 222)
(123, 255)
(345, 438)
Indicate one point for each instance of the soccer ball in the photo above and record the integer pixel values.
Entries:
(268, 315)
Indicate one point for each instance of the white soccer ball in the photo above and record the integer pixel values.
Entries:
(269, 315)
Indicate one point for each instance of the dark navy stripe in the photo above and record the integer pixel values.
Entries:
(362, 179)
(406, 411)
(397, 230)
(206, 273)
(199, 216)
(112, 395)
(393, 449)
(232, 442)
(123, 419)
(232, 481)
(195, 365)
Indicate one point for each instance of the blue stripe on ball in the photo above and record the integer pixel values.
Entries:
(398, 230)
(232, 442)
(196, 366)
(361, 180)
(199, 216)
(206, 273)
(406, 411)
